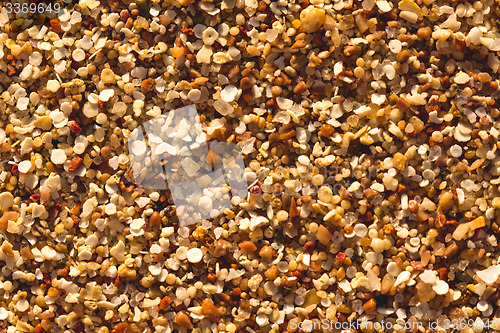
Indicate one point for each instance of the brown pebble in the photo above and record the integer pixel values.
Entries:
(352, 50)
(272, 273)
(155, 219)
(122, 328)
(105, 151)
(221, 247)
(164, 303)
(402, 104)
(308, 247)
(147, 84)
(266, 253)
(300, 87)
(246, 83)
(451, 250)
(208, 308)
(183, 319)
(424, 32)
(248, 246)
(370, 305)
(75, 163)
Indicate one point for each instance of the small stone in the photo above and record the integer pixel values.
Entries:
(182, 319)
(22, 305)
(312, 18)
(266, 253)
(402, 278)
(221, 247)
(155, 219)
(194, 255)
(75, 163)
(147, 84)
(451, 250)
(44, 123)
(208, 308)
(53, 85)
(6, 200)
(370, 305)
(300, 88)
(445, 203)
(441, 287)
(48, 252)
(461, 78)
(209, 36)
(402, 104)
(126, 272)
(428, 276)
(461, 231)
(378, 245)
(489, 275)
(399, 161)
(6, 217)
(78, 55)
(228, 94)
(205, 204)
(58, 156)
(107, 76)
(248, 246)
(246, 83)
(323, 235)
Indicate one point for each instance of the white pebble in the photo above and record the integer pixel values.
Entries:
(110, 209)
(456, 151)
(24, 166)
(92, 240)
(58, 156)
(393, 269)
(22, 305)
(209, 36)
(78, 55)
(48, 252)
(194, 255)
(360, 230)
(138, 148)
(53, 85)
(155, 249)
(303, 159)
(428, 276)
(395, 46)
(228, 94)
(441, 287)
(482, 306)
(205, 204)
(402, 278)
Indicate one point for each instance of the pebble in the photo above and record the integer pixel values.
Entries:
(205, 204)
(441, 287)
(403, 277)
(428, 277)
(53, 85)
(58, 156)
(48, 253)
(78, 55)
(22, 305)
(248, 246)
(209, 36)
(378, 245)
(6, 200)
(194, 255)
(312, 18)
(228, 94)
